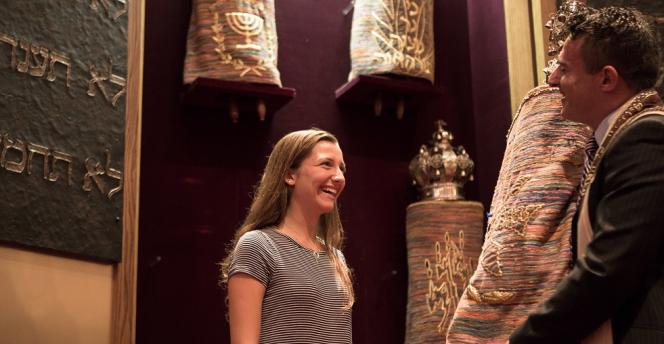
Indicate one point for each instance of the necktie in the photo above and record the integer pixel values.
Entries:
(590, 150)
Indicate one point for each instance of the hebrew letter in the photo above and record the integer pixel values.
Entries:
(61, 58)
(97, 78)
(6, 141)
(94, 4)
(121, 11)
(53, 175)
(14, 166)
(120, 82)
(40, 68)
(37, 149)
(23, 65)
(14, 43)
(113, 173)
(94, 171)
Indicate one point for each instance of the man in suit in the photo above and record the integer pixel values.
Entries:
(615, 292)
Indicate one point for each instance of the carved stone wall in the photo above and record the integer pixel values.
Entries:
(62, 105)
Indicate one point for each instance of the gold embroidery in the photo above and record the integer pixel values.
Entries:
(448, 277)
(248, 25)
(517, 218)
(512, 217)
(403, 35)
(491, 258)
(490, 297)
(503, 195)
(516, 186)
(640, 101)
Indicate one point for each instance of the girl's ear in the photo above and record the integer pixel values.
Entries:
(290, 178)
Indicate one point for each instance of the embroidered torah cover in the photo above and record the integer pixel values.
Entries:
(392, 36)
(232, 40)
(527, 249)
(444, 240)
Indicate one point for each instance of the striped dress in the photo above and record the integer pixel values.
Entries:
(304, 299)
(527, 249)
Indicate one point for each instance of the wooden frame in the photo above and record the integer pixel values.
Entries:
(526, 44)
(123, 317)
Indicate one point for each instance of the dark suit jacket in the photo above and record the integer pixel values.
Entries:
(622, 275)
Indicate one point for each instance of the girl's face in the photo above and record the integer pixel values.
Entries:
(319, 180)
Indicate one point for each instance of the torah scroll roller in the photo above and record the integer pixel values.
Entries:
(232, 40)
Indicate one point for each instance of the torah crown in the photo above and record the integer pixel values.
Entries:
(440, 170)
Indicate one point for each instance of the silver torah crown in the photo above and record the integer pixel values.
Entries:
(571, 12)
(440, 170)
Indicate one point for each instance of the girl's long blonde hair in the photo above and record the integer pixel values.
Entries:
(272, 197)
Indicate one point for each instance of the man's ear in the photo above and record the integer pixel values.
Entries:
(609, 78)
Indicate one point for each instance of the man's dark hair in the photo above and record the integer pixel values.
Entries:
(623, 38)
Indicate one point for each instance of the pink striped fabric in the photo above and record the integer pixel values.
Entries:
(527, 248)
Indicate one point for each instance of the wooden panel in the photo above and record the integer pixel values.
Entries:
(123, 317)
(48, 299)
(541, 12)
(519, 50)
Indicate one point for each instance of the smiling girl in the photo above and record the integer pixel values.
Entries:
(287, 279)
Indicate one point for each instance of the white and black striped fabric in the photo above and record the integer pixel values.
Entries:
(304, 299)
(590, 151)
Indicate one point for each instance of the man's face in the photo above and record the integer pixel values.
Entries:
(579, 88)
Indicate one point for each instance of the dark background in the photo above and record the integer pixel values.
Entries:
(198, 169)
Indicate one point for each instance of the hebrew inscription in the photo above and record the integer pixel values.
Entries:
(102, 80)
(42, 62)
(36, 60)
(94, 173)
(448, 276)
(63, 85)
(17, 156)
